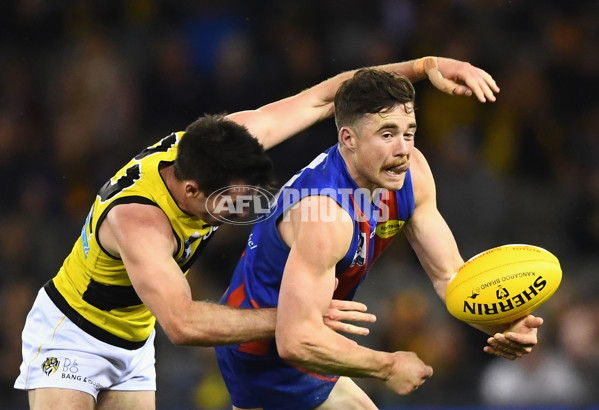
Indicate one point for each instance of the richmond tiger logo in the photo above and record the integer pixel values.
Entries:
(50, 365)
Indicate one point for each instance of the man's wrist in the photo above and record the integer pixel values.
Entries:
(421, 65)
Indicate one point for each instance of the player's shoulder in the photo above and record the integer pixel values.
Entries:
(128, 215)
(321, 214)
(423, 184)
(321, 208)
(419, 166)
(132, 224)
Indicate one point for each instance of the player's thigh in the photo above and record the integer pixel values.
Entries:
(348, 396)
(126, 400)
(60, 399)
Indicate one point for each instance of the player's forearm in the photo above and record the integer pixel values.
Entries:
(310, 106)
(214, 325)
(324, 351)
(412, 69)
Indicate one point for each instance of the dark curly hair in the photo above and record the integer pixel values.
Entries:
(370, 91)
(215, 151)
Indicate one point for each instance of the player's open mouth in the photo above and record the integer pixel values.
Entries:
(398, 169)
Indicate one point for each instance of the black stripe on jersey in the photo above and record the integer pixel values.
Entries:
(165, 144)
(179, 243)
(85, 324)
(134, 199)
(196, 254)
(108, 297)
(110, 189)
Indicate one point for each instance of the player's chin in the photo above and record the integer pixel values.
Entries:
(216, 220)
(392, 181)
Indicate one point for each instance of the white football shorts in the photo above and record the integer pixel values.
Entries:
(57, 353)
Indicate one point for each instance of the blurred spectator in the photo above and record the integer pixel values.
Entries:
(543, 378)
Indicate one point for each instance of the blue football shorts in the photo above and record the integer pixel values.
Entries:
(270, 382)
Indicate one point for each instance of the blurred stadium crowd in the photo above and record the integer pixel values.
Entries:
(85, 85)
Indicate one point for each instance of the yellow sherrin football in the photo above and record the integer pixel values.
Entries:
(503, 284)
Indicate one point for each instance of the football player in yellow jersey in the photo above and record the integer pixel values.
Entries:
(88, 340)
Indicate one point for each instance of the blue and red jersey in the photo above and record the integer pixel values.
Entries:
(257, 277)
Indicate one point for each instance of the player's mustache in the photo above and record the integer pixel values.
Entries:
(397, 163)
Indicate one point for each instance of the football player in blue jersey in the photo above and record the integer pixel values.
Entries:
(331, 222)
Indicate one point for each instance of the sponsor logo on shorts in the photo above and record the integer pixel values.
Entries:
(70, 370)
(50, 365)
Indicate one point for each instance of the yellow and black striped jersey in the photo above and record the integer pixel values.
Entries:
(92, 287)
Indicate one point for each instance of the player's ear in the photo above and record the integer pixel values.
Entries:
(347, 138)
(192, 189)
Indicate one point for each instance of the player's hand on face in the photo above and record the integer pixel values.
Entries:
(517, 340)
(408, 373)
(342, 311)
(460, 78)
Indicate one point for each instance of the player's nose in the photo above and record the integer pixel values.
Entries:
(400, 148)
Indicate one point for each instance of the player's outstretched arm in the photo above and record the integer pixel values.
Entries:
(142, 236)
(437, 251)
(280, 120)
(426, 230)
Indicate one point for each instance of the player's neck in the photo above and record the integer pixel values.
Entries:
(174, 186)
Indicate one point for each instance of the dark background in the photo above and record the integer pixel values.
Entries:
(85, 85)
